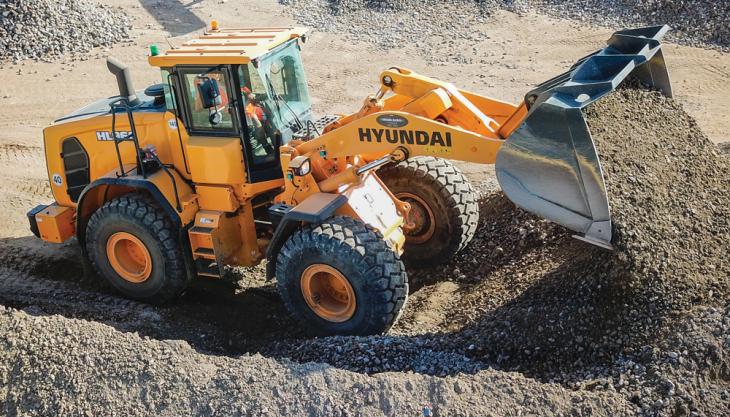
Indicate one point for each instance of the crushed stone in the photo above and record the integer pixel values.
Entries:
(49, 29)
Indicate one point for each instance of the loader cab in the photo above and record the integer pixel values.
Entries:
(263, 103)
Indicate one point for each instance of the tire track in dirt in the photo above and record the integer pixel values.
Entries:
(17, 152)
(69, 299)
(30, 187)
(29, 255)
(53, 279)
(19, 195)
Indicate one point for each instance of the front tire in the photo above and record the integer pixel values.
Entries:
(134, 246)
(444, 211)
(340, 277)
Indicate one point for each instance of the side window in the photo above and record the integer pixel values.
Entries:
(207, 100)
(169, 92)
(261, 131)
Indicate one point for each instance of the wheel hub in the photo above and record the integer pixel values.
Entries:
(420, 223)
(328, 293)
(129, 257)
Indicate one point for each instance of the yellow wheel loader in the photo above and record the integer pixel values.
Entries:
(223, 164)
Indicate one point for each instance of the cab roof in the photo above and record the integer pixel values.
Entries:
(227, 46)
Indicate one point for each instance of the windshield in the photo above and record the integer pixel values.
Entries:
(281, 76)
(276, 101)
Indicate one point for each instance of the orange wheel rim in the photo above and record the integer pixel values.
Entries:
(129, 257)
(420, 217)
(328, 293)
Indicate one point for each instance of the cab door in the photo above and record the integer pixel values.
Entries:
(260, 136)
(212, 119)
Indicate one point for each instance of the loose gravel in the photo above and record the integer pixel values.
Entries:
(694, 22)
(530, 321)
(431, 26)
(534, 300)
(58, 366)
(48, 29)
(436, 27)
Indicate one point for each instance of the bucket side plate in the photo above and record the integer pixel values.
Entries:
(549, 165)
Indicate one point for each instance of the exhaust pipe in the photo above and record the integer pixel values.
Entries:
(124, 80)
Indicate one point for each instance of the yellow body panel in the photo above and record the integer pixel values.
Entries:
(56, 223)
(188, 198)
(216, 160)
(229, 240)
(219, 198)
(153, 128)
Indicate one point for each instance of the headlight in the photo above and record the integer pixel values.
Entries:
(300, 166)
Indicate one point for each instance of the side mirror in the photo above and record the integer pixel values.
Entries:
(210, 94)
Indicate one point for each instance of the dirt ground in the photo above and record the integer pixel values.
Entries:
(340, 75)
(33, 94)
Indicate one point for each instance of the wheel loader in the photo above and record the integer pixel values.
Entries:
(224, 164)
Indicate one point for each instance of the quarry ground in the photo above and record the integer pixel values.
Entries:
(341, 75)
(201, 339)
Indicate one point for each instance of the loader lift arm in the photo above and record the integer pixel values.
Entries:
(546, 161)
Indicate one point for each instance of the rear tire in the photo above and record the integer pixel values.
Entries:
(369, 285)
(134, 246)
(443, 207)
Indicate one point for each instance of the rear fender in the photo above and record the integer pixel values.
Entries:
(109, 187)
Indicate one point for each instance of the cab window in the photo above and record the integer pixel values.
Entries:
(262, 130)
(208, 105)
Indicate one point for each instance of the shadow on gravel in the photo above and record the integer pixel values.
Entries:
(504, 236)
(539, 303)
(174, 16)
(543, 324)
(30, 255)
(571, 319)
(212, 318)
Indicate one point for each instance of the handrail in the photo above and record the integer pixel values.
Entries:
(140, 165)
(133, 130)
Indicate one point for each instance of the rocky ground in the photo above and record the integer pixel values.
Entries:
(526, 321)
(401, 22)
(55, 367)
(49, 29)
(642, 329)
(695, 22)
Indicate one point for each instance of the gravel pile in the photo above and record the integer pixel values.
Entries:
(587, 313)
(433, 26)
(536, 301)
(640, 330)
(694, 22)
(48, 29)
(445, 25)
(57, 366)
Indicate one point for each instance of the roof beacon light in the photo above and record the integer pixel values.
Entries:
(153, 50)
(213, 25)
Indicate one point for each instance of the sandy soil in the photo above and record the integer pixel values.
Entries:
(34, 94)
(340, 75)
